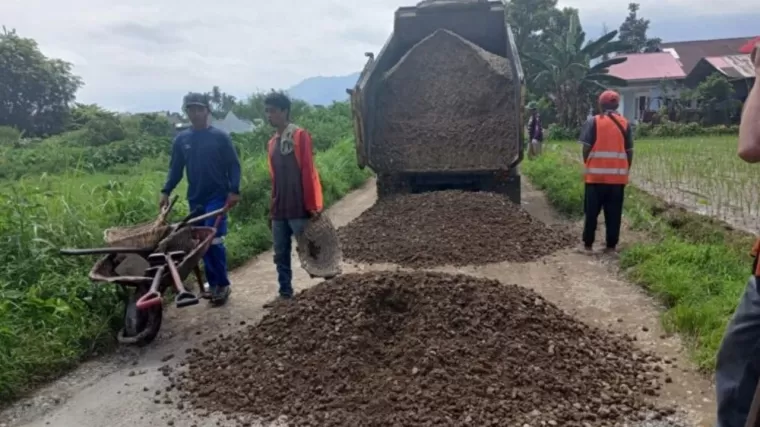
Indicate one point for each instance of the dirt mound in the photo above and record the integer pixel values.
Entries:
(419, 349)
(449, 227)
(446, 105)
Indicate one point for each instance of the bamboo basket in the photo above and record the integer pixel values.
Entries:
(140, 235)
(318, 248)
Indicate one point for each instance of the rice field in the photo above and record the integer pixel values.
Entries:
(702, 174)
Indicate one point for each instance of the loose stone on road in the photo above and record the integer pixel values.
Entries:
(129, 388)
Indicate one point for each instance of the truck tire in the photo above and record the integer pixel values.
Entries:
(390, 184)
(512, 189)
(507, 184)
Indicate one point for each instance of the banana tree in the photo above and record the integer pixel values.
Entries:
(566, 74)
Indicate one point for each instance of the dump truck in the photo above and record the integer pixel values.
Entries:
(479, 154)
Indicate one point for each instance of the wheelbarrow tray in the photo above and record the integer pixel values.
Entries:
(194, 241)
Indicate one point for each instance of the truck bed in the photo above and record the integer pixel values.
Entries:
(480, 23)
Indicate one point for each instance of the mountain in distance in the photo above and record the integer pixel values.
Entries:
(324, 90)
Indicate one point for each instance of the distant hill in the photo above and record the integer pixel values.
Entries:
(324, 90)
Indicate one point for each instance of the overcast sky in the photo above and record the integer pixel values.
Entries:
(140, 54)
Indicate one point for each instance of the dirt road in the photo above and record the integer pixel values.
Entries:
(119, 390)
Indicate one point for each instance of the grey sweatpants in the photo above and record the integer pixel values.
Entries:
(738, 367)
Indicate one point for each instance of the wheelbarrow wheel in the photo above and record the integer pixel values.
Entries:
(140, 326)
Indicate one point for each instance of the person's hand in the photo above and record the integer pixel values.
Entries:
(232, 200)
(314, 214)
(163, 201)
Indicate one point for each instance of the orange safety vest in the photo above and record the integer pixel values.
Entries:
(607, 162)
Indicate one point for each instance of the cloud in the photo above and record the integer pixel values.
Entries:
(145, 54)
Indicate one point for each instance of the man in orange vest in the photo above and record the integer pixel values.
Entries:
(296, 189)
(608, 153)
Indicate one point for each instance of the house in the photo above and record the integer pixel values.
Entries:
(230, 124)
(686, 63)
(737, 68)
(645, 74)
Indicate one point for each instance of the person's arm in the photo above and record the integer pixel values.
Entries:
(588, 137)
(629, 144)
(312, 188)
(232, 163)
(539, 135)
(749, 128)
(531, 128)
(176, 167)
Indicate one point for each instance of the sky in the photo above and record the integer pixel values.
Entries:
(140, 55)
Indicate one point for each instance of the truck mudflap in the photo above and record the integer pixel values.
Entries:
(356, 111)
(361, 155)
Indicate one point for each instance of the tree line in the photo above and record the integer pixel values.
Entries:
(565, 70)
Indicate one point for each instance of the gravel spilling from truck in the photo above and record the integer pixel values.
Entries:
(422, 348)
(449, 228)
(446, 105)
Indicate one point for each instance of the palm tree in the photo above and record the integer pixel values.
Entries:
(566, 73)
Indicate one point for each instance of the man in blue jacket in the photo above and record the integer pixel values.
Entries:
(213, 176)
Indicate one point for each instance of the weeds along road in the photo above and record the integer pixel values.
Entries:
(122, 389)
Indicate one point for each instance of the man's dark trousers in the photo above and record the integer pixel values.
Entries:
(738, 365)
(608, 198)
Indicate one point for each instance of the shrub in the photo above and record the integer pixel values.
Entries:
(666, 129)
(560, 133)
(670, 129)
(9, 137)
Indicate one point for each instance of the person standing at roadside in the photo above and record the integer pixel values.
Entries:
(738, 362)
(535, 131)
(296, 189)
(213, 175)
(607, 141)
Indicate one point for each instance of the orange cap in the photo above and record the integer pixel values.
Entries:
(609, 97)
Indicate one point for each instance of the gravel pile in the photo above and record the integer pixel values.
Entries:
(446, 105)
(422, 349)
(449, 228)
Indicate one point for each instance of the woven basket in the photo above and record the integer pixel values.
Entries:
(141, 235)
(144, 239)
(319, 248)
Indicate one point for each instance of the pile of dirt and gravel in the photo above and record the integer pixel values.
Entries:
(449, 228)
(419, 349)
(445, 98)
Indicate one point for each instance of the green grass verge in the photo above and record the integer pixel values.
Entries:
(696, 266)
(51, 316)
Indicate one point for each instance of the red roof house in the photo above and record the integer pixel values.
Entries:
(687, 62)
(645, 67)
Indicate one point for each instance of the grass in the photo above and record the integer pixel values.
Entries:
(695, 265)
(51, 316)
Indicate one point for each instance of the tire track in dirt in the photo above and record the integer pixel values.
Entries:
(118, 390)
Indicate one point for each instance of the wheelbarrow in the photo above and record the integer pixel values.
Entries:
(146, 273)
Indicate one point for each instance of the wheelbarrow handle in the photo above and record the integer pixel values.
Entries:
(107, 251)
(168, 208)
(217, 213)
